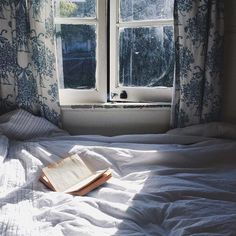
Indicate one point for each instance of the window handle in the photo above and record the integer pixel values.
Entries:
(114, 95)
(123, 95)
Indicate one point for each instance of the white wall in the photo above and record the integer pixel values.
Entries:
(229, 113)
(116, 121)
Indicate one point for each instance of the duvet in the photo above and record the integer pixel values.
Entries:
(179, 183)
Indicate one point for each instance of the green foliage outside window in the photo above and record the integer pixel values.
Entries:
(67, 8)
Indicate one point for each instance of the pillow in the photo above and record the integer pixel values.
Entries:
(21, 125)
(212, 130)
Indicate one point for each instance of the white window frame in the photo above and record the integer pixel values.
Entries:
(135, 94)
(99, 93)
(70, 97)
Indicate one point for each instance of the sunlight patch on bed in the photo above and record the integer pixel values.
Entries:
(44, 151)
(29, 158)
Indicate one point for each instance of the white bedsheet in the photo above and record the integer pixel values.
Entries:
(167, 184)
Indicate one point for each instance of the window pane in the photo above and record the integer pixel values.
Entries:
(131, 10)
(75, 8)
(78, 44)
(146, 56)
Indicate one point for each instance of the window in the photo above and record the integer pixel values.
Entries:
(141, 50)
(81, 50)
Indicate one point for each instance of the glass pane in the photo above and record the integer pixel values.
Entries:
(131, 10)
(146, 56)
(78, 44)
(75, 8)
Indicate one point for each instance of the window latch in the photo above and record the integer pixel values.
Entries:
(114, 95)
(123, 95)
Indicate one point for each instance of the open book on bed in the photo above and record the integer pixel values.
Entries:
(71, 175)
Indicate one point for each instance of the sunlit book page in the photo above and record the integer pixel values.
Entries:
(70, 174)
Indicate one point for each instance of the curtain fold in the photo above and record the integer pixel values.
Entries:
(27, 58)
(199, 43)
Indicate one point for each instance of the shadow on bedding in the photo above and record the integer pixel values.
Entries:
(183, 201)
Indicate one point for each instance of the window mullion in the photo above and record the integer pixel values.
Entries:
(75, 21)
(145, 23)
(101, 73)
(114, 48)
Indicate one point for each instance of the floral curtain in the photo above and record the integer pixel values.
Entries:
(27, 58)
(199, 30)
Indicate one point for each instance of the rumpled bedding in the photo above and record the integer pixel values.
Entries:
(178, 183)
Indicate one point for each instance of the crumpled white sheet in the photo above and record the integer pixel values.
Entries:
(213, 129)
(166, 184)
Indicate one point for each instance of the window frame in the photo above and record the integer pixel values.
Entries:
(99, 93)
(135, 94)
(105, 90)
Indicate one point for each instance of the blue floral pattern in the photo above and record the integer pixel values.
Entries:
(27, 58)
(3, 5)
(199, 36)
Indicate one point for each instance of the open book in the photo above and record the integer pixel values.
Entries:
(71, 175)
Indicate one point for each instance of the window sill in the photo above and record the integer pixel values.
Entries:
(116, 118)
(118, 105)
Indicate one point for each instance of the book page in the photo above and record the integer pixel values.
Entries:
(70, 174)
(96, 183)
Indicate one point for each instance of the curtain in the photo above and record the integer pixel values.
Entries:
(199, 30)
(27, 58)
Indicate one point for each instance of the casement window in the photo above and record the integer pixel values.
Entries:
(117, 50)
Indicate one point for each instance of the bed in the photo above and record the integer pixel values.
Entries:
(182, 182)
